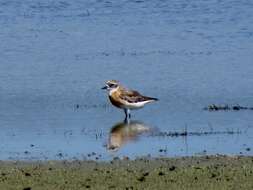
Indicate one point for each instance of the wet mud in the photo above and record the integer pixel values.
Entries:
(206, 172)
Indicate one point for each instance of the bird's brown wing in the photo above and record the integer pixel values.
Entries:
(133, 96)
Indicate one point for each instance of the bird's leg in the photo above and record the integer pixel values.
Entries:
(128, 113)
(126, 116)
(126, 121)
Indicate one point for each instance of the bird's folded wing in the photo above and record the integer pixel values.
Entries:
(132, 96)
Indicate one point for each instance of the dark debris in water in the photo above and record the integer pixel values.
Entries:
(199, 133)
(214, 107)
(89, 106)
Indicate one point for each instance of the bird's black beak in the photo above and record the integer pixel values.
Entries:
(104, 88)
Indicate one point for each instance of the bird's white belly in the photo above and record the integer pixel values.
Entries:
(136, 105)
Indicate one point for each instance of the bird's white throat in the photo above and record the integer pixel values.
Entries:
(111, 91)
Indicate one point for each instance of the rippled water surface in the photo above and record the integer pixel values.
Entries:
(56, 55)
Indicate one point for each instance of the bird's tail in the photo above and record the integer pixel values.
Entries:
(154, 99)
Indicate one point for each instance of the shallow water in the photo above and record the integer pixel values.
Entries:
(55, 55)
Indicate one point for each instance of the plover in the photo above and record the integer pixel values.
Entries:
(126, 99)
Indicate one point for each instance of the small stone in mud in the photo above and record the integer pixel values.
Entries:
(27, 188)
(26, 152)
(142, 178)
(172, 168)
(146, 174)
(248, 149)
(27, 174)
(31, 145)
(161, 173)
(88, 179)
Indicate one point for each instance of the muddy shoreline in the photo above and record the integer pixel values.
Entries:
(206, 172)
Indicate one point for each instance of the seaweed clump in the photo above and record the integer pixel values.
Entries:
(214, 107)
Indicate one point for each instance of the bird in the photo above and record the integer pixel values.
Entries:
(126, 99)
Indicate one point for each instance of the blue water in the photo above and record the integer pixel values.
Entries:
(55, 55)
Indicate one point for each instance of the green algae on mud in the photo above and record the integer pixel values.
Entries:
(209, 172)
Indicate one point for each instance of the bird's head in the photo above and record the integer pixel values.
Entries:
(111, 85)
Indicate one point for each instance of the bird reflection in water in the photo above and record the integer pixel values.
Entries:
(123, 132)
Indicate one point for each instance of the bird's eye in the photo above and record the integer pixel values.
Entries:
(112, 85)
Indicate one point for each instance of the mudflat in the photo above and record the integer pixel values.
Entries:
(205, 172)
